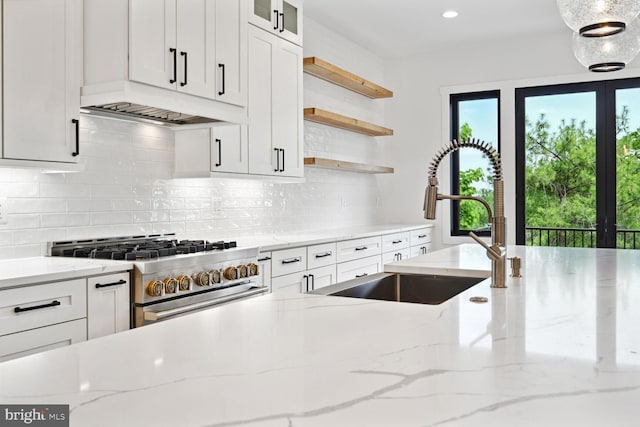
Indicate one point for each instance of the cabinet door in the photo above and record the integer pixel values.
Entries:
(320, 277)
(359, 268)
(420, 249)
(231, 51)
(275, 106)
(153, 54)
(192, 153)
(229, 149)
(262, 158)
(107, 304)
(397, 255)
(287, 109)
(281, 17)
(41, 339)
(196, 38)
(288, 284)
(42, 59)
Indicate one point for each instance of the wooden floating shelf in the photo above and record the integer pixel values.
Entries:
(332, 119)
(319, 162)
(336, 75)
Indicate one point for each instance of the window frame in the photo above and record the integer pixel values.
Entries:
(454, 133)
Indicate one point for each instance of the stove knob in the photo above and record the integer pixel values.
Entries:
(170, 285)
(231, 273)
(242, 271)
(202, 279)
(154, 288)
(252, 269)
(215, 276)
(184, 282)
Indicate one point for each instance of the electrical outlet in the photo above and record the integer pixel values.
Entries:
(4, 209)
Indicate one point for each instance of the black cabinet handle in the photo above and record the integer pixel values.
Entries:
(219, 142)
(282, 170)
(277, 169)
(395, 242)
(362, 248)
(175, 65)
(36, 307)
(422, 236)
(184, 83)
(324, 255)
(275, 19)
(313, 282)
(106, 285)
(76, 122)
(291, 260)
(221, 92)
(362, 275)
(267, 258)
(282, 27)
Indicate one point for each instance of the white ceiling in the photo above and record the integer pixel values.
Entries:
(395, 28)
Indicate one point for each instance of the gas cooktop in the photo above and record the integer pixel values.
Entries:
(135, 248)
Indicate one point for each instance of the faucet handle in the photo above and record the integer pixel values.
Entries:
(494, 252)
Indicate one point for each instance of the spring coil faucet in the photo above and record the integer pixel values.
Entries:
(497, 252)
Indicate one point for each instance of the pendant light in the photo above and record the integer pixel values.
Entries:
(611, 53)
(598, 18)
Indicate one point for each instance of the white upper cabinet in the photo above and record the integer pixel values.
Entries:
(42, 75)
(281, 17)
(275, 106)
(193, 46)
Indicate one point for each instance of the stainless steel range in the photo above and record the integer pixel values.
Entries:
(172, 277)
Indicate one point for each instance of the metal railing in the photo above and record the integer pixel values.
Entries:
(577, 237)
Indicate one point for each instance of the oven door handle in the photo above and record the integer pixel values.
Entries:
(154, 316)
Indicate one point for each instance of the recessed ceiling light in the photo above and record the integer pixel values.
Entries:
(449, 14)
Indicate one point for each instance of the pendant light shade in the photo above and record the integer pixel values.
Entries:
(612, 53)
(598, 18)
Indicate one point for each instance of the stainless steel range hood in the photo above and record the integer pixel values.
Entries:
(133, 101)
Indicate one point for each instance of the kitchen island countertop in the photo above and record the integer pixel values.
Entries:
(559, 347)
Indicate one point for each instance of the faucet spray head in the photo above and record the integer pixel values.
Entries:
(430, 199)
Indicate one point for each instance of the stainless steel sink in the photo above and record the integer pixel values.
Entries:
(416, 288)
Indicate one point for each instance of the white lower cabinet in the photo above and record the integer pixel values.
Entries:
(304, 281)
(264, 266)
(107, 304)
(397, 255)
(33, 341)
(44, 316)
(420, 250)
(359, 268)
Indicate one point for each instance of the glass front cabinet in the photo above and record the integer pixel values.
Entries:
(281, 17)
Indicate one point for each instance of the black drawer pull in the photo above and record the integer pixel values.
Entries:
(422, 236)
(184, 83)
(362, 248)
(291, 260)
(267, 258)
(324, 255)
(395, 242)
(221, 92)
(361, 275)
(175, 65)
(106, 285)
(76, 124)
(36, 307)
(219, 142)
(275, 19)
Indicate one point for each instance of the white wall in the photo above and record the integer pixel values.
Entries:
(127, 188)
(422, 84)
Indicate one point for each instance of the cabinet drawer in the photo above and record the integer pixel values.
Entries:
(420, 249)
(107, 304)
(288, 261)
(394, 242)
(420, 236)
(349, 250)
(358, 268)
(398, 255)
(321, 255)
(42, 339)
(42, 305)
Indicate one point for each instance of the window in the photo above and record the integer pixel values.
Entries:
(473, 115)
(578, 158)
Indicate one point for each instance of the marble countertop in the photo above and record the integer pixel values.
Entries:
(559, 347)
(25, 271)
